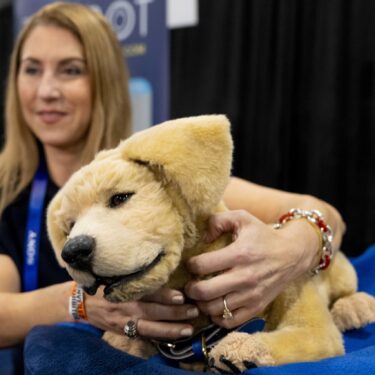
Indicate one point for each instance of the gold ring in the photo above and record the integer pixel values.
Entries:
(227, 314)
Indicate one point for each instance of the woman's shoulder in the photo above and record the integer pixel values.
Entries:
(21, 202)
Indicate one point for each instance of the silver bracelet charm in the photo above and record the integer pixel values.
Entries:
(315, 217)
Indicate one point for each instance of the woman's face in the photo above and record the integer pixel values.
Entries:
(54, 88)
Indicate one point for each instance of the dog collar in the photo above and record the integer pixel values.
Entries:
(197, 347)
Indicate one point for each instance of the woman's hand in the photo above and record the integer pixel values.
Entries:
(254, 269)
(151, 313)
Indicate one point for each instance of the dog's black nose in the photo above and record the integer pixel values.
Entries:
(78, 251)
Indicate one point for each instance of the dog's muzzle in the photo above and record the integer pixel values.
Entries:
(116, 281)
(78, 252)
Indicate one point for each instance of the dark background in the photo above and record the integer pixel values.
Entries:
(297, 80)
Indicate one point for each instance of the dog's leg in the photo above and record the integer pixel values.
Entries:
(299, 328)
(350, 309)
(137, 347)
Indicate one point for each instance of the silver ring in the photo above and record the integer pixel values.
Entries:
(227, 314)
(130, 329)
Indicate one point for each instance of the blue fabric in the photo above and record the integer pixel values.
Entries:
(61, 349)
(11, 361)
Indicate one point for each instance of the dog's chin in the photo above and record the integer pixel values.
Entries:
(114, 286)
(123, 293)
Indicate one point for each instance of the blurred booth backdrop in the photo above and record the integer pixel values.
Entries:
(297, 80)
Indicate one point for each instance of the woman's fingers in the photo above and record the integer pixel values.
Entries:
(156, 312)
(163, 330)
(214, 261)
(151, 317)
(222, 284)
(245, 228)
(251, 298)
(224, 222)
(166, 296)
(153, 320)
(240, 316)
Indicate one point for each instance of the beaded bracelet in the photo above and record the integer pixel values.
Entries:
(77, 303)
(324, 230)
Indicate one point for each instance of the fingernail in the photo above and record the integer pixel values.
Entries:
(186, 332)
(192, 312)
(178, 299)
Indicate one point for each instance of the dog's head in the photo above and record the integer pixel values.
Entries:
(123, 220)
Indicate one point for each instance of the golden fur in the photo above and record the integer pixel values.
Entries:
(177, 173)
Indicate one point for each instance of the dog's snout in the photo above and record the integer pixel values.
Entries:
(78, 251)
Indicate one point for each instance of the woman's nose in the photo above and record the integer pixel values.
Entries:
(49, 87)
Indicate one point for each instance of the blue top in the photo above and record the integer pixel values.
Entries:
(12, 235)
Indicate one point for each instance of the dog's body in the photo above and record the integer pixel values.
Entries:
(138, 212)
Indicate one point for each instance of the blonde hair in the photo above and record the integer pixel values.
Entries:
(111, 113)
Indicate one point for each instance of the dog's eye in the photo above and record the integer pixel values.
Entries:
(118, 199)
(69, 226)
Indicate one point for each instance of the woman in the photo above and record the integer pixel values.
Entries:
(67, 99)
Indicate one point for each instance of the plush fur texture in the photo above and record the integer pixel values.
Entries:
(143, 207)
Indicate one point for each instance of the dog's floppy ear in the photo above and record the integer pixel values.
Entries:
(193, 152)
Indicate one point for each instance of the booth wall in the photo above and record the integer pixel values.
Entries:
(297, 80)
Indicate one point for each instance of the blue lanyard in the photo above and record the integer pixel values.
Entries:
(32, 236)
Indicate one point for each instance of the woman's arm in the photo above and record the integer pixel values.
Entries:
(261, 261)
(269, 204)
(19, 312)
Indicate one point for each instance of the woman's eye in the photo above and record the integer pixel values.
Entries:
(118, 199)
(31, 70)
(73, 71)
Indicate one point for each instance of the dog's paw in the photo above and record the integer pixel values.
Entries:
(239, 352)
(229, 366)
(353, 311)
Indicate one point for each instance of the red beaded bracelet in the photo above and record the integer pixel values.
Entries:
(315, 217)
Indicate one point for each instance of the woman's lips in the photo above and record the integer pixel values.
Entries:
(51, 117)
